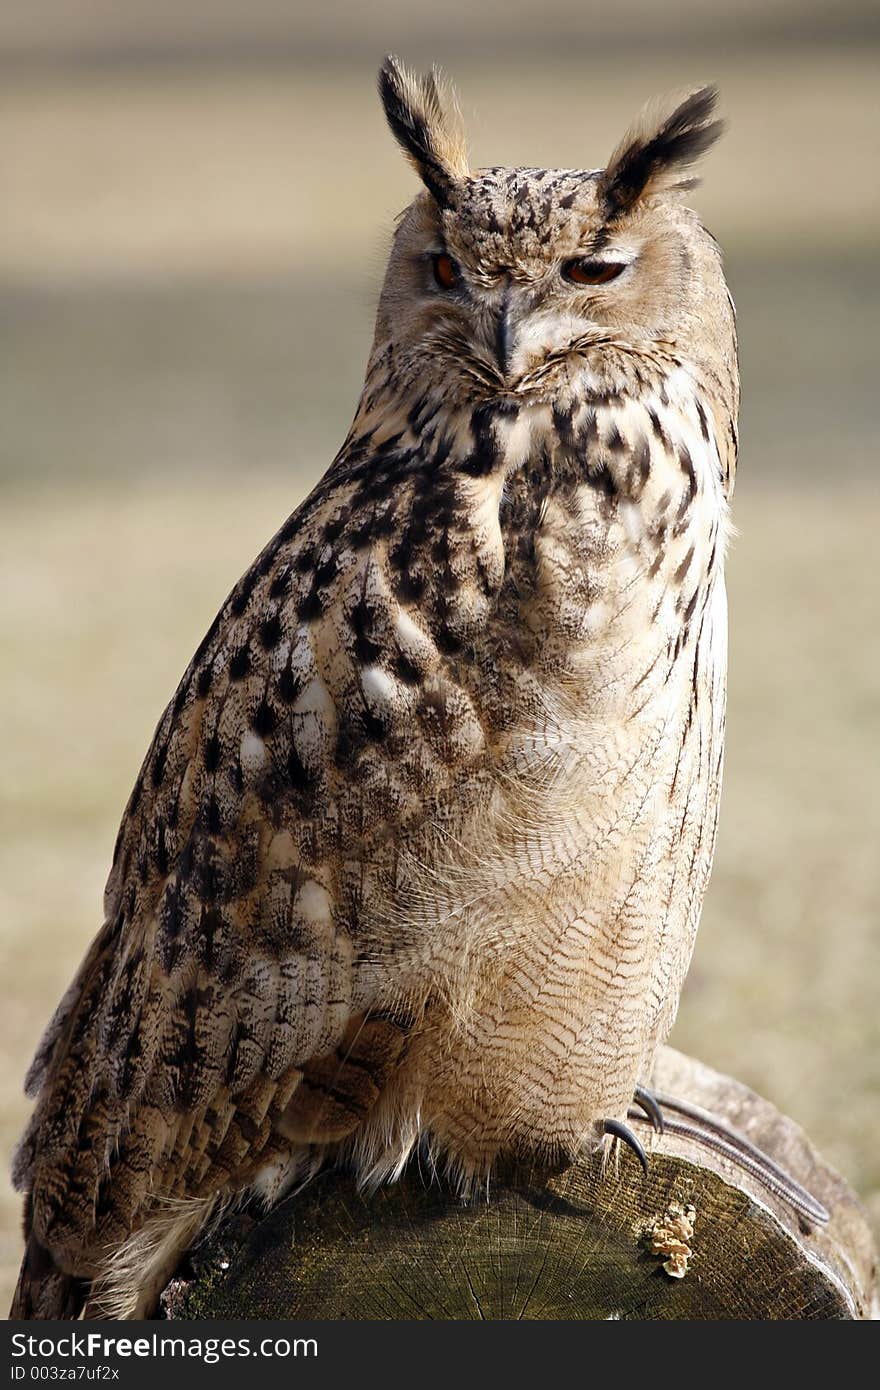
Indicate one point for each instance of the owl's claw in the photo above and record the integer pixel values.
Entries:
(621, 1131)
(707, 1129)
(647, 1101)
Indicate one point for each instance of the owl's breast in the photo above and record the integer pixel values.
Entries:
(611, 634)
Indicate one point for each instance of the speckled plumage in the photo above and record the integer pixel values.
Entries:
(418, 851)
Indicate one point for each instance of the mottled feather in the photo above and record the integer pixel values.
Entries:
(418, 849)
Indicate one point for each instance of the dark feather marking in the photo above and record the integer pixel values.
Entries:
(685, 565)
(687, 468)
(269, 632)
(297, 773)
(615, 441)
(280, 583)
(484, 458)
(407, 670)
(240, 664)
(639, 470)
(289, 686)
(211, 817)
(264, 719)
(288, 530)
(657, 427)
(241, 596)
(588, 435)
(362, 621)
(563, 425)
(212, 753)
(159, 761)
(310, 605)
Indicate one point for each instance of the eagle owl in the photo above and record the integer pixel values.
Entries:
(417, 854)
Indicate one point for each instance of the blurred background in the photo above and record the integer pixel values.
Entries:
(197, 204)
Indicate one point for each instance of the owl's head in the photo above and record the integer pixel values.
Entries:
(498, 278)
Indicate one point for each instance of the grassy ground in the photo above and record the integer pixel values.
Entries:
(183, 293)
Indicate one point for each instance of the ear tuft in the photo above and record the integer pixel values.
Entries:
(651, 157)
(424, 118)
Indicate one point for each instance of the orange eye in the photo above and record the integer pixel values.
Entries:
(445, 271)
(580, 271)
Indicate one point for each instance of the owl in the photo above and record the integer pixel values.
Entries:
(417, 854)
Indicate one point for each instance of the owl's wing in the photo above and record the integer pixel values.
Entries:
(224, 1009)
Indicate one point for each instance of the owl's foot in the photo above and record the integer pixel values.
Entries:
(647, 1101)
(707, 1129)
(621, 1131)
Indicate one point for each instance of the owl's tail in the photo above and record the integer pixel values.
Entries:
(44, 1290)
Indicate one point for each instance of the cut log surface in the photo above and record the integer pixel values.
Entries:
(570, 1244)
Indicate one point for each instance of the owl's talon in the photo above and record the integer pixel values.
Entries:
(647, 1101)
(705, 1128)
(621, 1131)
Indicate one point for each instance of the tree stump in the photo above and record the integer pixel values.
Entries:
(571, 1244)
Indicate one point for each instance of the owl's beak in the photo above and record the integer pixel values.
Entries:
(504, 334)
(512, 324)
